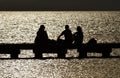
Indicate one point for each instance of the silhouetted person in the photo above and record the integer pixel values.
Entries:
(41, 41)
(42, 37)
(78, 37)
(67, 35)
(91, 45)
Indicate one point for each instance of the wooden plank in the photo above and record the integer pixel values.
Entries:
(14, 49)
(31, 45)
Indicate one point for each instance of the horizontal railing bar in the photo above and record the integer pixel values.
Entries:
(31, 45)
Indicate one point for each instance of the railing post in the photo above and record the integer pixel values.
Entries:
(106, 52)
(15, 53)
(82, 49)
(38, 55)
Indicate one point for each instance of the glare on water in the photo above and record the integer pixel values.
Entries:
(21, 27)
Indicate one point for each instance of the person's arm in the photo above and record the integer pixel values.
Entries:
(60, 35)
(74, 34)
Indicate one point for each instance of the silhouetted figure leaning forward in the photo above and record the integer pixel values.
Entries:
(68, 37)
(90, 46)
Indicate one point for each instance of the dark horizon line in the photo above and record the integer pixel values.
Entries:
(59, 5)
(59, 10)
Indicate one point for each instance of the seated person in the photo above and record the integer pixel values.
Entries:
(42, 37)
(78, 37)
(67, 35)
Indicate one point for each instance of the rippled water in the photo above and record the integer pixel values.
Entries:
(21, 27)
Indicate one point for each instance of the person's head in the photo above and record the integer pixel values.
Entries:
(66, 27)
(42, 27)
(79, 29)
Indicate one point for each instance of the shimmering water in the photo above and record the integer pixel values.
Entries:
(21, 27)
